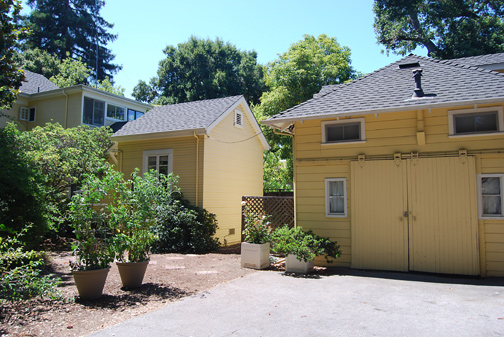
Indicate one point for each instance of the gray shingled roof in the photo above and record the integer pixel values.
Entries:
(391, 88)
(178, 117)
(481, 60)
(35, 83)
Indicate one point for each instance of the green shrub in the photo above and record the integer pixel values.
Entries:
(306, 245)
(23, 273)
(183, 228)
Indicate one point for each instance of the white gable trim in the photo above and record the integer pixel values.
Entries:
(250, 116)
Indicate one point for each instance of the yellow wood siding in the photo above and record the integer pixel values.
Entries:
(233, 168)
(184, 161)
(387, 134)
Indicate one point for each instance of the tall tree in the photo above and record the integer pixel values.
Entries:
(292, 79)
(447, 28)
(72, 28)
(10, 76)
(203, 69)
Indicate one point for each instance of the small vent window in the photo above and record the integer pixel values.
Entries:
(478, 121)
(238, 119)
(27, 114)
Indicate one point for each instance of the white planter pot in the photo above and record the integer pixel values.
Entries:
(293, 265)
(255, 256)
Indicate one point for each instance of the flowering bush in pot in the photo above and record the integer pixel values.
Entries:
(256, 246)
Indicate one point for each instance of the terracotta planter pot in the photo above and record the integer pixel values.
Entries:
(90, 283)
(132, 273)
(293, 265)
(255, 256)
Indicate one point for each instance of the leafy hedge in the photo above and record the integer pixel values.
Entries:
(184, 228)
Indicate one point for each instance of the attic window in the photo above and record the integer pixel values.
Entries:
(409, 65)
(238, 119)
(27, 114)
(343, 131)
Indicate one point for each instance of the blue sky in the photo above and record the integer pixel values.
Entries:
(269, 27)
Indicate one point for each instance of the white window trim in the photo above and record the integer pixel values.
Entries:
(117, 106)
(236, 114)
(480, 196)
(160, 152)
(345, 202)
(451, 124)
(345, 121)
(106, 104)
(28, 111)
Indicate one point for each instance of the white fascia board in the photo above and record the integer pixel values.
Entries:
(158, 135)
(251, 117)
(278, 123)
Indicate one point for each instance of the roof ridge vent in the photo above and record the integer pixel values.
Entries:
(417, 75)
(409, 65)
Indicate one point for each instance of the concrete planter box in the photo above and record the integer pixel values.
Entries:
(255, 256)
(293, 265)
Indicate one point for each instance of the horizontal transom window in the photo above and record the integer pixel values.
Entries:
(348, 130)
(475, 121)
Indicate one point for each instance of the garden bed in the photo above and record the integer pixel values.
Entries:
(169, 277)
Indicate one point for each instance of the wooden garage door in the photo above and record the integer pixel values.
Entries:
(421, 212)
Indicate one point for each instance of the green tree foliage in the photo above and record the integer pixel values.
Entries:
(203, 69)
(72, 28)
(292, 79)
(447, 28)
(10, 76)
(108, 86)
(21, 187)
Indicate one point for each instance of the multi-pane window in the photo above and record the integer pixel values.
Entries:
(94, 112)
(490, 190)
(336, 198)
(116, 112)
(158, 160)
(351, 130)
(133, 114)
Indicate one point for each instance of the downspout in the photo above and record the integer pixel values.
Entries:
(197, 167)
(66, 108)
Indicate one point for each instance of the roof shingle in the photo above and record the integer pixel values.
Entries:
(178, 117)
(443, 82)
(35, 83)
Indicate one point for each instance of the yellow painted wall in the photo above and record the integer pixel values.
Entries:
(184, 161)
(232, 170)
(386, 134)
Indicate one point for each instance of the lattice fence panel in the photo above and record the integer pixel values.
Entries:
(281, 209)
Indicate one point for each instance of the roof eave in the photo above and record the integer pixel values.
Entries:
(159, 135)
(282, 123)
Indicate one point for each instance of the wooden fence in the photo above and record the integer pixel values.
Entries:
(279, 208)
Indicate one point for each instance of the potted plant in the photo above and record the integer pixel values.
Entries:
(301, 247)
(132, 213)
(93, 238)
(256, 246)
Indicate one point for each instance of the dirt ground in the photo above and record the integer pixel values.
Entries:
(169, 277)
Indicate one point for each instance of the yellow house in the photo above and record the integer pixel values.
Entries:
(404, 167)
(40, 101)
(215, 147)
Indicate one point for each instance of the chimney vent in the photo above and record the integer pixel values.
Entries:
(417, 75)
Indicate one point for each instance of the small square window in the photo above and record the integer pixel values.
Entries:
(490, 188)
(344, 131)
(336, 198)
(27, 114)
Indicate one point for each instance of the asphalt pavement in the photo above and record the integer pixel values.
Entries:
(344, 303)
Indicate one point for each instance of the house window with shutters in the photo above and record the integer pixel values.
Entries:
(490, 193)
(158, 160)
(336, 197)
